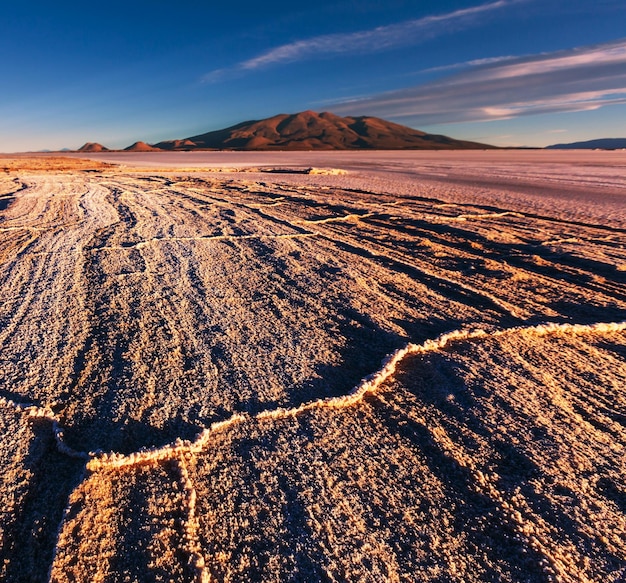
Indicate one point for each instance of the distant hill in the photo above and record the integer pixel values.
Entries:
(184, 144)
(93, 147)
(318, 131)
(602, 144)
(141, 147)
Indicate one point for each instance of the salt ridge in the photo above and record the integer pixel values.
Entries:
(111, 460)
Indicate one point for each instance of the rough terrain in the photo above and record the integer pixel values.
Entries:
(264, 375)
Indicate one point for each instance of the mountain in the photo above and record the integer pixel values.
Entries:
(318, 131)
(93, 147)
(185, 144)
(602, 144)
(141, 147)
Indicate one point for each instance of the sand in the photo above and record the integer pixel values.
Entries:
(409, 370)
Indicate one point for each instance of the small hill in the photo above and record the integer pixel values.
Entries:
(141, 147)
(600, 144)
(93, 147)
(181, 145)
(309, 130)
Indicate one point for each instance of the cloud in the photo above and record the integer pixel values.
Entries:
(472, 63)
(579, 79)
(382, 38)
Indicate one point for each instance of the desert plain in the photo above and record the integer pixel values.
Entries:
(313, 366)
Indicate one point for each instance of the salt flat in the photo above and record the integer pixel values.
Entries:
(181, 355)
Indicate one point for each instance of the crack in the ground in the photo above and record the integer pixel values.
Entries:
(96, 460)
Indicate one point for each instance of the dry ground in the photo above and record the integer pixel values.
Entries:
(181, 357)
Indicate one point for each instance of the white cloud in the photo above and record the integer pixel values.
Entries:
(367, 41)
(579, 79)
(472, 63)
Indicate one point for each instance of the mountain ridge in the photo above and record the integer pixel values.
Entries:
(309, 130)
(306, 130)
(600, 143)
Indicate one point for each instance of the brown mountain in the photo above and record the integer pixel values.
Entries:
(141, 147)
(93, 147)
(319, 131)
(185, 144)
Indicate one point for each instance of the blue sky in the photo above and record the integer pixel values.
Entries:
(507, 72)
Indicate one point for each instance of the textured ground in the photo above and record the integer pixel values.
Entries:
(181, 357)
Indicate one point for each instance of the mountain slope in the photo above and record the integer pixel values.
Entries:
(324, 131)
(602, 143)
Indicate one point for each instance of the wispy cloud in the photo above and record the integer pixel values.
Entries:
(584, 78)
(367, 41)
(468, 64)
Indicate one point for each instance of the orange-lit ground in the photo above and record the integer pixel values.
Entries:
(182, 355)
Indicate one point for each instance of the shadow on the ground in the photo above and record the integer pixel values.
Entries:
(31, 538)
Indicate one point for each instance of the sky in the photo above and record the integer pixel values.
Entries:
(504, 72)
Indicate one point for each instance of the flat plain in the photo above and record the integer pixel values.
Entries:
(372, 366)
